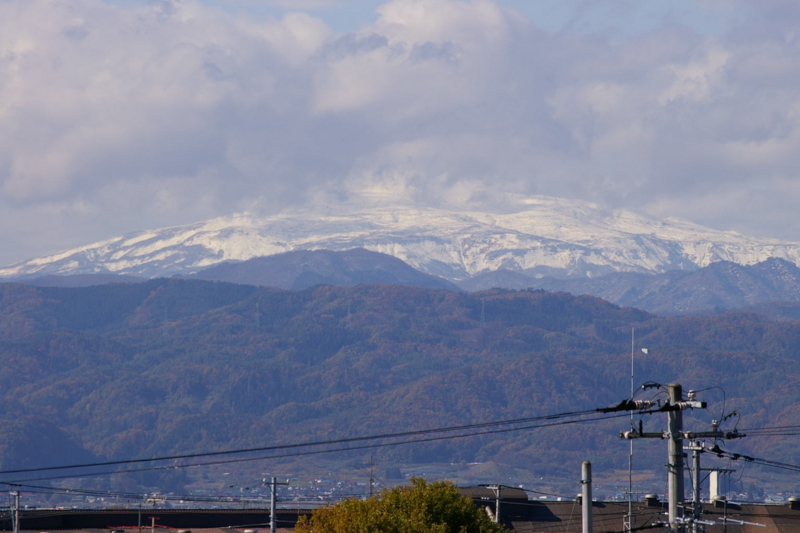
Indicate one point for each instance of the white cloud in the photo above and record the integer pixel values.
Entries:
(698, 80)
(120, 117)
(419, 58)
(301, 4)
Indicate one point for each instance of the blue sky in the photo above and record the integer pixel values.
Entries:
(118, 116)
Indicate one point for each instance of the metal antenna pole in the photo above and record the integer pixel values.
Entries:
(697, 511)
(628, 524)
(633, 340)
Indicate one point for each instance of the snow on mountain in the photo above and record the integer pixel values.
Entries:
(537, 236)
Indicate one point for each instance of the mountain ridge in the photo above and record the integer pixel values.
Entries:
(172, 366)
(719, 287)
(301, 269)
(537, 236)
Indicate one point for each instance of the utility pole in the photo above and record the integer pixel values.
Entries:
(675, 464)
(272, 499)
(15, 518)
(586, 496)
(696, 510)
(273, 489)
(675, 435)
(697, 448)
(496, 489)
(371, 474)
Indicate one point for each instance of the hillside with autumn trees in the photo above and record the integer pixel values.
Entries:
(182, 366)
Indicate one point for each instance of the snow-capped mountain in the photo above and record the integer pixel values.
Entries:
(537, 236)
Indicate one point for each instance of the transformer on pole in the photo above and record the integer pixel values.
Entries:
(675, 435)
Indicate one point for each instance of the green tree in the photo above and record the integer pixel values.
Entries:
(421, 507)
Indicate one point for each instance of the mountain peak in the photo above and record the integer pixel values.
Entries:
(537, 236)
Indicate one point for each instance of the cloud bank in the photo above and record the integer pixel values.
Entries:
(117, 118)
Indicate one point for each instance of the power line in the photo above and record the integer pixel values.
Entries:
(130, 495)
(306, 444)
(316, 452)
(773, 431)
(755, 460)
(310, 452)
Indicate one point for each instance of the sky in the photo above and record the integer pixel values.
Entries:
(123, 115)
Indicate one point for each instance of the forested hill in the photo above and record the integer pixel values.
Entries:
(174, 366)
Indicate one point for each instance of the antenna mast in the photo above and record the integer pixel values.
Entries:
(627, 524)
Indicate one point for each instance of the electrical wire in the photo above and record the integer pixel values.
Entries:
(543, 493)
(605, 518)
(309, 452)
(233, 500)
(724, 399)
(716, 450)
(305, 444)
(568, 523)
(773, 431)
(132, 496)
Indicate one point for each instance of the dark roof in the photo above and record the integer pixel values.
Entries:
(484, 492)
(566, 517)
(526, 516)
(146, 529)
